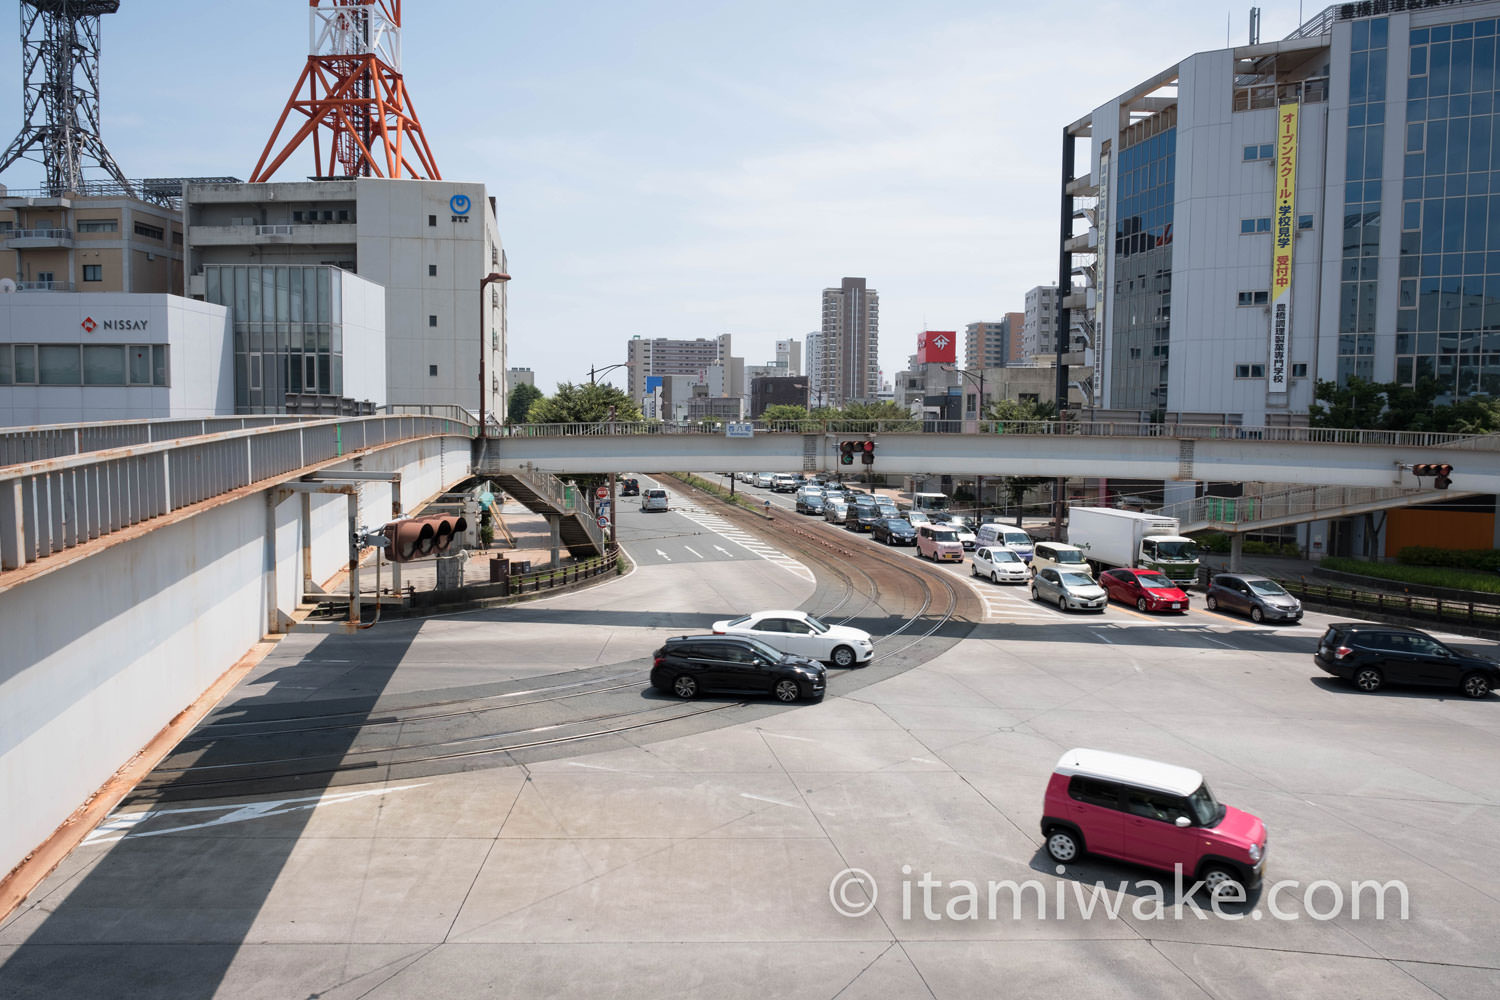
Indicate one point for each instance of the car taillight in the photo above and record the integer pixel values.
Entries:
(718, 631)
(658, 662)
(1341, 652)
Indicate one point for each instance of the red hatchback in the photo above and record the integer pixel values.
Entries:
(1147, 589)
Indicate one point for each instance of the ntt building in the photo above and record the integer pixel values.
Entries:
(1327, 206)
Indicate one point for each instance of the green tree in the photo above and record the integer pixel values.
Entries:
(1366, 405)
(583, 404)
(784, 411)
(521, 398)
(1016, 488)
(1021, 410)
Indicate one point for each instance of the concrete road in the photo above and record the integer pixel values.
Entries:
(712, 864)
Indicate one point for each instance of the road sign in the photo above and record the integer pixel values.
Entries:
(603, 520)
(486, 497)
(739, 430)
(602, 492)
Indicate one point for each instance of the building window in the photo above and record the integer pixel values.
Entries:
(1249, 371)
(93, 272)
(432, 371)
(297, 215)
(343, 215)
(1264, 151)
(432, 270)
(98, 226)
(432, 220)
(1251, 226)
(1304, 222)
(151, 232)
(1257, 298)
(1299, 371)
(432, 321)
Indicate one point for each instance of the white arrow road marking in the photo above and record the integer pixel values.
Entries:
(663, 555)
(724, 550)
(693, 551)
(118, 827)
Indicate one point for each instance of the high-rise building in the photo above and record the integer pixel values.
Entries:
(519, 376)
(850, 363)
(1039, 324)
(660, 356)
(993, 345)
(789, 357)
(817, 389)
(1270, 215)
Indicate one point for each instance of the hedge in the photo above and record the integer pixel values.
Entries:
(1425, 555)
(1431, 576)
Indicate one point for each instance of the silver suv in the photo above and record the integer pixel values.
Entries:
(654, 499)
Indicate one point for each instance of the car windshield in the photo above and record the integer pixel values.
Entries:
(767, 650)
(1270, 588)
(945, 535)
(1070, 556)
(1003, 555)
(817, 626)
(1206, 809)
(1177, 550)
(1155, 581)
(1018, 538)
(1076, 579)
(742, 619)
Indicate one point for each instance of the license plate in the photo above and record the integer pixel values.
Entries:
(1175, 605)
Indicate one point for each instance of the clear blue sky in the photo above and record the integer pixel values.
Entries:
(680, 169)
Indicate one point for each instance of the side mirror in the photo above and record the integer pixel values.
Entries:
(1183, 821)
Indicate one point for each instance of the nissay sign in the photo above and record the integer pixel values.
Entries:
(90, 325)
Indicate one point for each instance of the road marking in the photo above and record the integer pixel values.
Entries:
(762, 798)
(663, 555)
(750, 543)
(799, 739)
(693, 551)
(119, 827)
(592, 767)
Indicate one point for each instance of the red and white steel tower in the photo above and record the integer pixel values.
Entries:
(352, 87)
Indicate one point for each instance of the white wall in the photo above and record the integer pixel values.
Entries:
(101, 654)
(364, 338)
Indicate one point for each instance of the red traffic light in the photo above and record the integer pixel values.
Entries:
(869, 446)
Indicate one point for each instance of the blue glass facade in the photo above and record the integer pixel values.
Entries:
(1141, 327)
(1448, 308)
(1364, 166)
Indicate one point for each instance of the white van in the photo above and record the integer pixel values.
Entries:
(1060, 556)
(654, 499)
(1008, 535)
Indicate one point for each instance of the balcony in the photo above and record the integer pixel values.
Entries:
(31, 239)
(44, 286)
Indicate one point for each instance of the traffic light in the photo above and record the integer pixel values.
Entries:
(846, 452)
(413, 538)
(867, 454)
(1439, 471)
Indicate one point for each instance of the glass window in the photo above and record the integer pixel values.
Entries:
(139, 361)
(7, 375)
(93, 272)
(25, 364)
(59, 365)
(103, 364)
(159, 365)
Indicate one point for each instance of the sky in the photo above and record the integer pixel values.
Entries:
(675, 169)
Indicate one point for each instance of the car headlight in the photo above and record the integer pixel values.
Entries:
(1254, 852)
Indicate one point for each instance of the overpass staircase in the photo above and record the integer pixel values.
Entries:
(1296, 505)
(543, 493)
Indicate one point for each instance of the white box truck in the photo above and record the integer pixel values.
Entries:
(1113, 538)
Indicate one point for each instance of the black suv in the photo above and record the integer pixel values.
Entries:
(688, 664)
(895, 531)
(630, 487)
(1372, 654)
(864, 514)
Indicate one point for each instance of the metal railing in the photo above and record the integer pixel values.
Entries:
(1400, 607)
(50, 506)
(273, 230)
(1072, 428)
(1288, 503)
(39, 234)
(564, 497)
(44, 286)
(37, 444)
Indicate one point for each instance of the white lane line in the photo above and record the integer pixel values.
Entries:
(748, 542)
(762, 798)
(663, 555)
(693, 551)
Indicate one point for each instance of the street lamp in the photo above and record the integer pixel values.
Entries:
(979, 417)
(484, 347)
(594, 372)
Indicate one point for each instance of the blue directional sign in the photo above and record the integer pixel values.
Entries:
(739, 430)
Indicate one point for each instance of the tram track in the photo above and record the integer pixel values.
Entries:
(296, 750)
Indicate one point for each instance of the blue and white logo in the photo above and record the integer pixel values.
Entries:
(460, 204)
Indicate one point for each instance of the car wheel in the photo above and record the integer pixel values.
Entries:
(1368, 679)
(994, 577)
(1063, 846)
(1476, 686)
(1140, 604)
(1217, 879)
(843, 656)
(685, 687)
(1034, 595)
(1257, 615)
(1211, 602)
(1062, 603)
(888, 541)
(787, 690)
(973, 570)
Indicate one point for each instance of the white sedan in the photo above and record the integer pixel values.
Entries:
(800, 633)
(999, 564)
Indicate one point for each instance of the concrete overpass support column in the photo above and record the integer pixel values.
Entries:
(307, 558)
(268, 566)
(395, 513)
(1236, 552)
(554, 523)
(354, 557)
(1496, 535)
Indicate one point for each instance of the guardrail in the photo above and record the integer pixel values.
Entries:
(39, 234)
(1291, 435)
(37, 444)
(566, 498)
(549, 579)
(1402, 606)
(50, 506)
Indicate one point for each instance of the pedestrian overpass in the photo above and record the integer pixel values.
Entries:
(139, 561)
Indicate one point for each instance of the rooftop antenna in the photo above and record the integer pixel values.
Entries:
(352, 87)
(60, 88)
(1254, 25)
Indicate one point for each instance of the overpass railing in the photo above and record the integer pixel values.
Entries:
(37, 444)
(1297, 502)
(1297, 435)
(564, 497)
(50, 506)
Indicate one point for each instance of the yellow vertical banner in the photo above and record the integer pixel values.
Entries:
(1284, 233)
